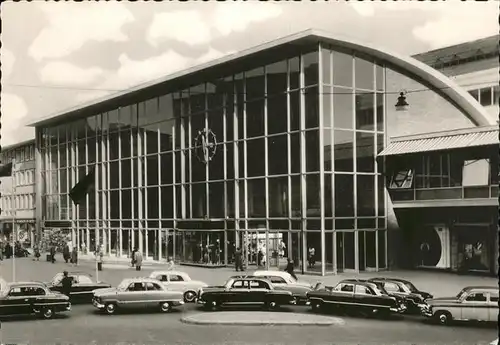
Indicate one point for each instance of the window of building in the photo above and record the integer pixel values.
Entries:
(476, 173)
(485, 96)
(402, 179)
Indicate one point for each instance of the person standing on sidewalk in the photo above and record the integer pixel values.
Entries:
(36, 250)
(53, 254)
(138, 260)
(66, 253)
(238, 258)
(74, 256)
(289, 268)
(132, 261)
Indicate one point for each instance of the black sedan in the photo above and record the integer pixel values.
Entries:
(31, 298)
(355, 296)
(244, 291)
(414, 298)
(81, 289)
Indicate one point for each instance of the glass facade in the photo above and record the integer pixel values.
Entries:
(277, 158)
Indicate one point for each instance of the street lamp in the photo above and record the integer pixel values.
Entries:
(402, 105)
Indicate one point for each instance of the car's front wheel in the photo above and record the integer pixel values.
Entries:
(316, 306)
(189, 296)
(47, 313)
(110, 308)
(443, 317)
(165, 307)
(271, 305)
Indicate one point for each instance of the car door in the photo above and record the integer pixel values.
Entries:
(257, 292)
(238, 292)
(475, 307)
(344, 294)
(133, 296)
(18, 301)
(363, 296)
(493, 306)
(151, 297)
(176, 282)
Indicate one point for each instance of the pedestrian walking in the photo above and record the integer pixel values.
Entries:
(290, 267)
(67, 283)
(36, 250)
(138, 260)
(170, 264)
(66, 253)
(238, 258)
(132, 261)
(53, 254)
(8, 251)
(1, 250)
(74, 256)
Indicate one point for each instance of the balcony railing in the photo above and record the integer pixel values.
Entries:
(451, 193)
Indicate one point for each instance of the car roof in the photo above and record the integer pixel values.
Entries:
(21, 284)
(180, 273)
(249, 277)
(140, 280)
(397, 280)
(481, 287)
(363, 282)
(271, 273)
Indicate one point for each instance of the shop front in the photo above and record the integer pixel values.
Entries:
(461, 239)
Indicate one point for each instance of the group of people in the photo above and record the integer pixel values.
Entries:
(238, 263)
(8, 251)
(69, 256)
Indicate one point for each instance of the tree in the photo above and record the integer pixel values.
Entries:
(54, 237)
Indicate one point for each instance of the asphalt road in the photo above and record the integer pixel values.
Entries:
(83, 325)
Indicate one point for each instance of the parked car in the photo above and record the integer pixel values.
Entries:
(284, 281)
(179, 281)
(31, 298)
(82, 290)
(137, 293)
(414, 298)
(244, 290)
(356, 295)
(479, 303)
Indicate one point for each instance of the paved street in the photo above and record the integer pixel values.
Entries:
(84, 326)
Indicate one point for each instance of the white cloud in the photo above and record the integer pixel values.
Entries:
(65, 73)
(462, 22)
(237, 16)
(134, 72)
(14, 111)
(184, 26)
(7, 58)
(74, 24)
(365, 9)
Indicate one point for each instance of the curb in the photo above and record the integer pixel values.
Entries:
(192, 320)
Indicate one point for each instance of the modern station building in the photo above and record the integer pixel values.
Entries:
(17, 194)
(272, 149)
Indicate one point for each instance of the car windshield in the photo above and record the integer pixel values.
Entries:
(57, 279)
(123, 285)
(411, 287)
(461, 293)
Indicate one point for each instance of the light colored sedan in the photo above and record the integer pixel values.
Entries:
(137, 293)
(282, 280)
(478, 303)
(179, 281)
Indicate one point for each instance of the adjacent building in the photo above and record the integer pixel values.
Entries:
(17, 194)
(272, 150)
(444, 190)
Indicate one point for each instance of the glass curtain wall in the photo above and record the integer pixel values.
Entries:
(234, 162)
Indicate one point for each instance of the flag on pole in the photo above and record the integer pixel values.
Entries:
(6, 169)
(80, 190)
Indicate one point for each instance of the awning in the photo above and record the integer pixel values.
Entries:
(441, 142)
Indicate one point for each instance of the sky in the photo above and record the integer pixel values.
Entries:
(56, 55)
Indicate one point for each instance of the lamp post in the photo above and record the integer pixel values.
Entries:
(14, 213)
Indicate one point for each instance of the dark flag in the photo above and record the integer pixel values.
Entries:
(6, 169)
(80, 190)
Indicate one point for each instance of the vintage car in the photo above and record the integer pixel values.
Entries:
(284, 281)
(244, 291)
(137, 293)
(82, 288)
(179, 281)
(355, 295)
(414, 298)
(31, 298)
(478, 303)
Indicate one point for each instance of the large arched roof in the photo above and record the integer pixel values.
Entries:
(410, 66)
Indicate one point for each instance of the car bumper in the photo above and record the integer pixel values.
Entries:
(97, 304)
(177, 303)
(401, 309)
